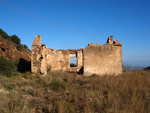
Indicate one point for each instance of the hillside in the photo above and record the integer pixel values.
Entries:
(12, 49)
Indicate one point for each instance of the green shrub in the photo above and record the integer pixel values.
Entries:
(7, 67)
(57, 85)
(25, 46)
(15, 39)
(4, 34)
(19, 47)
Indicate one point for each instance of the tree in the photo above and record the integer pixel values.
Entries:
(25, 46)
(4, 35)
(19, 46)
(15, 39)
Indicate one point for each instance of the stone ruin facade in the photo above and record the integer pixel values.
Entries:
(93, 59)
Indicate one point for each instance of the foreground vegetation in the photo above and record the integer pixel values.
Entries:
(60, 92)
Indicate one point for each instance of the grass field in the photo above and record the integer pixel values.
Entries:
(60, 92)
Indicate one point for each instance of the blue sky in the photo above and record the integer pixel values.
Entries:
(72, 24)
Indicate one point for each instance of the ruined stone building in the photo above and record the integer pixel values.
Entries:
(93, 59)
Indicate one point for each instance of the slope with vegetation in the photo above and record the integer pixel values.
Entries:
(11, 47)
(14, 56)
(60, 92)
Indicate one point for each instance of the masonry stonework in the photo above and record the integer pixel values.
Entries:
(93, 59)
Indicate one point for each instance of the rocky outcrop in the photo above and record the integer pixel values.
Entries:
(9, 51)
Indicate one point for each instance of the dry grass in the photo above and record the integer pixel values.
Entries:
(61, 92)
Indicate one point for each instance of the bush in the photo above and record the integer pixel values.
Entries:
(19, 47)
(7, 67)
(57, 85)
(15, 39)
(4, 34)
(25, 46)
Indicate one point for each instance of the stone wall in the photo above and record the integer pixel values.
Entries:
(94, 59)
(102, 60)
(58, 60)
(36, 55)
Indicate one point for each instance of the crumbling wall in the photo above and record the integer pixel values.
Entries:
(36, 54)
(80, 59)
(102, 60)
(43, 68)
(58, 60)
(94, 59)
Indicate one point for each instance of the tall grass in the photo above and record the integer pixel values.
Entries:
(61, 92)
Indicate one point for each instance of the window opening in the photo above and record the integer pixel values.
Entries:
(73, 61)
